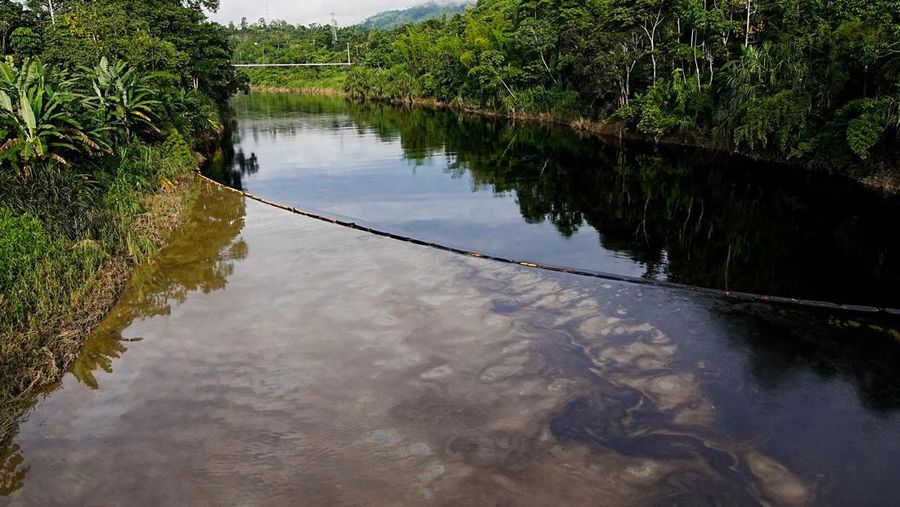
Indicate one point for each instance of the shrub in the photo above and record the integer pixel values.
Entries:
(394, 84)
(666, 107)
(869, 122)
(553, 101)
(778, 119)
(176, 156)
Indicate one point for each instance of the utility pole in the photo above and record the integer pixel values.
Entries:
(52, 12)
(348, 53)
(333, 29)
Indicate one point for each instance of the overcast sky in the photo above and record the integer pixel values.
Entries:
(304, 12)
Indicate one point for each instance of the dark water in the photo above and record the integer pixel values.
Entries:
(553, 196)
(264, 358)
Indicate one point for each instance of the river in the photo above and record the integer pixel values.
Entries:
(267, 358)
(553, 196)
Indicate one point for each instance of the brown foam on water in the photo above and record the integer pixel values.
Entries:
(287, 361)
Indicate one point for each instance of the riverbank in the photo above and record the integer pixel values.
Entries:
(326, 82)
(55, 290)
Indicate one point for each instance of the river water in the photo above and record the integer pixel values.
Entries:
(266, 358)
(550, 195)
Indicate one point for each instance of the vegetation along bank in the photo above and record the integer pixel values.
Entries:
(103, 107)
(804, 81)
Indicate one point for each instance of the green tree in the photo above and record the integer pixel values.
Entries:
(25, 42)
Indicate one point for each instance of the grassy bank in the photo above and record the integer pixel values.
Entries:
(312, 81)
(68, 243)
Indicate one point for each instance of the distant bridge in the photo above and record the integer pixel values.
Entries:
(343, 64)
(339, 64)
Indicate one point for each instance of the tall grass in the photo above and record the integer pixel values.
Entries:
(298, 78)
(38, 271)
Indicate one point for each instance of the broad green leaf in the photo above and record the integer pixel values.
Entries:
(5, 101)
(26, 112)
(7, 73)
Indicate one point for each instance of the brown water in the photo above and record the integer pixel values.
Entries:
(264, 358)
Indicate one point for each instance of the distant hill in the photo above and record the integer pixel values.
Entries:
(432, 10)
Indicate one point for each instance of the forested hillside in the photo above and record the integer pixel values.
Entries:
(807, 81)
(101, 103)
(417, 14)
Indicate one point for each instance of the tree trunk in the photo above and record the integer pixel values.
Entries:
(747, 30)
(694, 52)
(543, 60)
(651, 37)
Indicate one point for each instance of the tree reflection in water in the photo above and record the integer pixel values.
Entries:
(782, 345)
(12, 468)
(229, 164)
(691, 217)
(198, 257)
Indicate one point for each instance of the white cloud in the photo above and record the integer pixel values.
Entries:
(304, 12)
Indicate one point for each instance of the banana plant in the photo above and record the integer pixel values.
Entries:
(191, 111)
(38, 123)
(121, 99)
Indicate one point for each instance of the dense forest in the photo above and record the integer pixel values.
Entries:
(811, 81)
(102, 104)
